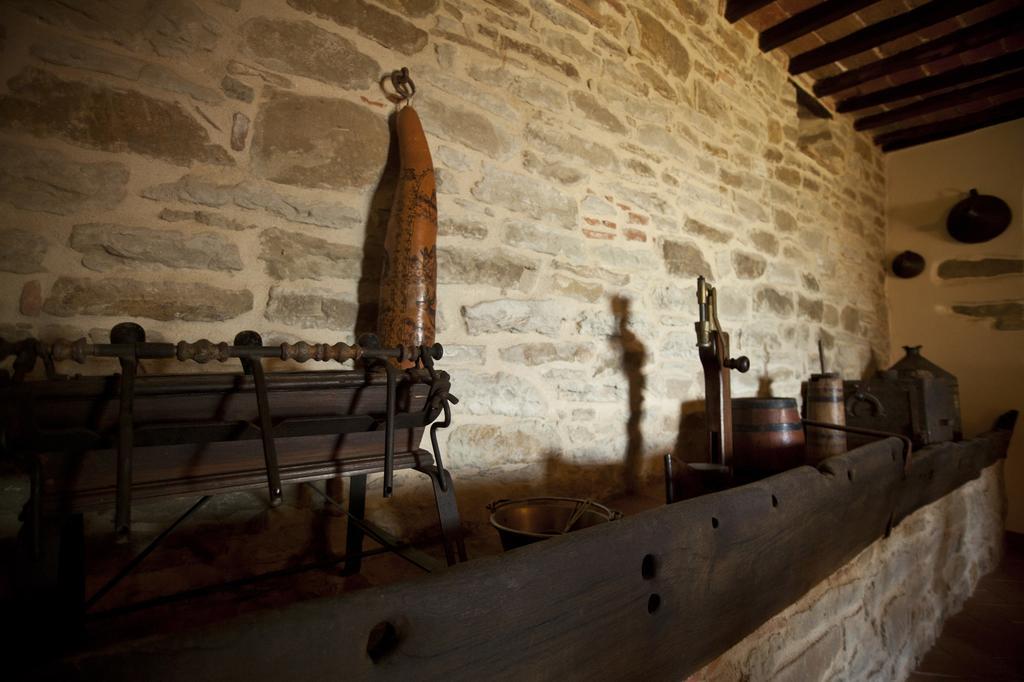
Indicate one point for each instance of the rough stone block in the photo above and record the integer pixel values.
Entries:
(500, 394)
(748, 265)
(250, 195)
(293, 255)
(311, 309)
(985, 267)
(685, 259)
(591, 107)
(301, 141)
(471, 445)
(469, 266)
(304, 49)
(518, 317)
(30, 304)
(770, 300)
(21, 251)
(663, 44)
(545, 352)
(462, 125)
(390, 30)
(105, 118)
(107, 246)
(1005, 316)
(537, 238)
(526, 195)
(165, 300)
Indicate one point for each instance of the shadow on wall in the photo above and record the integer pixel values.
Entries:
(634, 357)
(368, 289)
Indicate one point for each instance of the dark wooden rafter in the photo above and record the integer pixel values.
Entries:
(929, 132)
(809, 20)
(996, 86)
(950, 44)
(947, 79)
(737, 9)
(881, 32)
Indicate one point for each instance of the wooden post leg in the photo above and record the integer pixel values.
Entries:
(448, 515)
(353, 533)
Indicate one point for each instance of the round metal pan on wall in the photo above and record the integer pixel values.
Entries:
(978, 218)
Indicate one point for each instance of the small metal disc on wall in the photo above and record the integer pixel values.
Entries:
(908, 264)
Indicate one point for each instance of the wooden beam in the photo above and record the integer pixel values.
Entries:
(940, 130)
(809, 20)
(737, 9)
(982, 33)
(579, 606)
(946, 79)
(990, 88)
(881, 32)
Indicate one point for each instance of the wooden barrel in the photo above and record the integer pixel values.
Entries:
(824, 403)
(767, 436)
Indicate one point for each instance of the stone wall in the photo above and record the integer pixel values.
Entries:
(208, 167)
(877, 616)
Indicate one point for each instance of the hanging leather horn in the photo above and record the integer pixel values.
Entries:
(408, 286)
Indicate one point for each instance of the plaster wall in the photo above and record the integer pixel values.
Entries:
(972, 326)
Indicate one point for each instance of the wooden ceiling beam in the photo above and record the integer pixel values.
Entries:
(950, 44)
(997, 86)
(923, 86)
(809, 20)
(737, 9)
(930, 132)
(881, 32)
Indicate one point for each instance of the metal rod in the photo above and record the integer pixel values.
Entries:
(908, 445)
(125, 439)
(389, 431)
(204, 351)
(441, 480)
(266, 432)
(670, 489)
(141, 556)
(414, 557)
(821, 355)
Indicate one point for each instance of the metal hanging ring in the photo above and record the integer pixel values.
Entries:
(402, 83)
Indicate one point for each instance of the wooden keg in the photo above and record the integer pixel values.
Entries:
(767, 436)
(824, 403)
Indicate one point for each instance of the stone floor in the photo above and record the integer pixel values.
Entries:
(985, 641)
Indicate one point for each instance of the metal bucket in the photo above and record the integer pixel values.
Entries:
(521, 522)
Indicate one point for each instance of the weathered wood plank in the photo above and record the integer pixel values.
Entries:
(881, 32)
(922, 86)
(811, 19)
(953, 43)
(994, 87)
(737, 9)
(579, 607)
(929, 132)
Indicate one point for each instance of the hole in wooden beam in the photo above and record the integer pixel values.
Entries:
(653, 602)
(647, 567)
(775, 501)
(849, 474)
(382, 641)
(714, 522)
